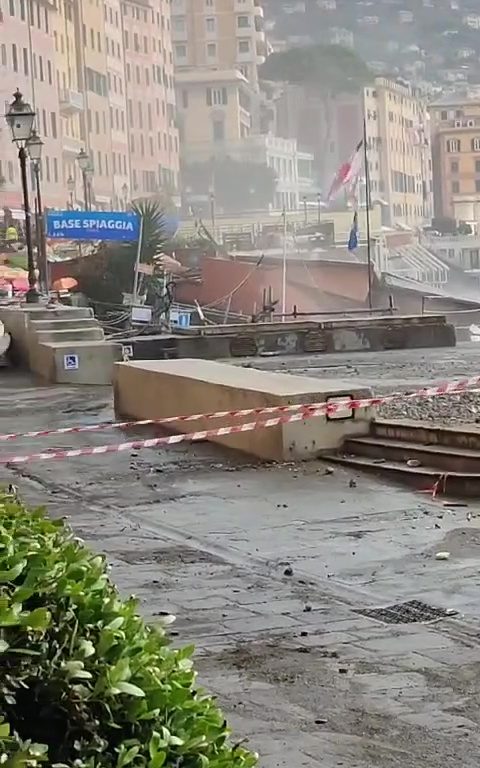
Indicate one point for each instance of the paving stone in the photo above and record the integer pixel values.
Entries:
(423, 641)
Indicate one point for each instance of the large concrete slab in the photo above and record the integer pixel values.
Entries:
(159, 389)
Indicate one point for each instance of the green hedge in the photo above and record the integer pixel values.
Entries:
(83, 680)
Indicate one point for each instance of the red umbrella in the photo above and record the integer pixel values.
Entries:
(20, 284)
(64, 284)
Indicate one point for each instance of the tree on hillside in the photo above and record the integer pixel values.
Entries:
(108, 273)
(324, 71)
(237, 185)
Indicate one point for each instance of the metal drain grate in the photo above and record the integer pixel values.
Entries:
(406, 613)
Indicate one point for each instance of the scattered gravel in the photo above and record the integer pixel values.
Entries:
(463, 408)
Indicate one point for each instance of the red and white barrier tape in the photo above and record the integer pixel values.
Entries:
(305, 412)
(329, 408)
(154, 442)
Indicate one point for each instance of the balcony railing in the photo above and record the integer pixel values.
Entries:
(71, 101)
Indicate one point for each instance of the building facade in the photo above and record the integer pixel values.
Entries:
(399, 152)
(100, 75)
(456, 158)
(28, 62)
(219, 34)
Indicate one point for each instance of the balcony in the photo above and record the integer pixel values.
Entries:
(71, 102)
(71, 146)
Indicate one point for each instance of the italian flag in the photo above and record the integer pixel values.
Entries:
(348, 173)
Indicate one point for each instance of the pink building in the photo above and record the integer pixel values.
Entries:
(153, 135)
(27, 62)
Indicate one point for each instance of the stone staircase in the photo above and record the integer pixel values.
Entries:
(419, 454)
(64, 345)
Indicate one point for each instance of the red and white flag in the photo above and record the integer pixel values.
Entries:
(348, 173)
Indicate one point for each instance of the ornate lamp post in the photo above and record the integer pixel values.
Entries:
(85, 165)
(20, 118)
(34, 146)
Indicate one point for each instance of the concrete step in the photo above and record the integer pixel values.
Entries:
(69, 334)
(78, 362)
(426, 433)
(63, 325)
(459, 484)
(60, 312)
(440, 457)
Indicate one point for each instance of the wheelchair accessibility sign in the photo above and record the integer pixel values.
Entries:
(70, 362)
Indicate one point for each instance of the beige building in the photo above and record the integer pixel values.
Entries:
(219, 34)
(399, 152)
(100, 75)
(456, 158)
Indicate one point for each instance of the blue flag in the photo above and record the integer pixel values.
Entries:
(353, 239)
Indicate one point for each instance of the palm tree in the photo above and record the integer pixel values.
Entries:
(109, 272)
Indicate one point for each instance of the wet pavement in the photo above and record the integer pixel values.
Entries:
(268, 570)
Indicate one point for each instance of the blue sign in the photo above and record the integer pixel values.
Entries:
(70, 362)
(180, 319)
(93, 225)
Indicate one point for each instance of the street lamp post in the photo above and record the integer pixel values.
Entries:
(305, 210)
(86, 169)
(20, 118)
(34, 146)
(125, 195)
(71, 190)
(213, 214)
(319, 207)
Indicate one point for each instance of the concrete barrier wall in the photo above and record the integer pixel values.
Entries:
(341, 335)
(160, 389)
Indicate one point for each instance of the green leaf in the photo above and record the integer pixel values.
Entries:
(130, 689)
(4, 730)
(157, 760)
(13, 573)
(38, 619)
(4, 646)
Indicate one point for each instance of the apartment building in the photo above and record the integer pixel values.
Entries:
(71, 98)
(399, 151)
(456, 157)
(100, 75)
(219, 34)
(28, 62)
(153, 135)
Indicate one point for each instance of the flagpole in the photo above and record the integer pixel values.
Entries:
(367, 209)
(284, 266)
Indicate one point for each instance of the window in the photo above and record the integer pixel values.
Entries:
(210, 25)
(455, 187)
(453, 145)
(3, 54)
(184, 99)
(181, 51)
(211, 50)
(474, 258)
(136, 44)
(243, 22)
(243, 46)
(25, 61)
(14, 58)
(178, 23)
(22, 10)
(53, 118)
(49, 70)
(216, 96)
(477, 185)
(476, 144)
(218, 130)
(12, 7)
(55, 170)
(40, 67)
